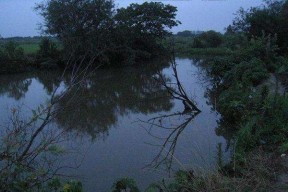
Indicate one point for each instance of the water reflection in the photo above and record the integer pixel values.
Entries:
(95, 105)
(110, 102)
(167, 139)
(213, 89)
(50, 80)
(14, 86)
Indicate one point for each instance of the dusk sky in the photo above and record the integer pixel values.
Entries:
(18, 18)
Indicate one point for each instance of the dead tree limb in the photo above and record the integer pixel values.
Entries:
(167, 148)
(177, 91)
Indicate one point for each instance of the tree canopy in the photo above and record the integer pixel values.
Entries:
(208, 39)
(96, 30)
(148, 18)
(270, 18)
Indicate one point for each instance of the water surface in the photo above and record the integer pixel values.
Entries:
(107, 123)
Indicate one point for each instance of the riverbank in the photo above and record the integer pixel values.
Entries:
(245, 96)
(253, 105)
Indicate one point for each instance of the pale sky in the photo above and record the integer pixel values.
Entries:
(17, 17)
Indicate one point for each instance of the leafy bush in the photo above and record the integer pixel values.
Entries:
(267, 127)
(248, 73)
(208, 39)
(125, 184)
(271, 18)
(12, 58)
(72, 186)
(11, 51)
(47, 49)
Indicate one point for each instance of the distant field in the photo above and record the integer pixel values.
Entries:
(29, 44)
(30, 48)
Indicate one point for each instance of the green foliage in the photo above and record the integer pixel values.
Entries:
(185, 33)
(11, 51)
(72, 186)
(47, 49)
(1, 52)
(140, 28)
(125, 184)
(149, 18)
(54, 184)
(238, 78)
(267, 127)
(154, 187)
(270, 18)
(208, 39)
(183, 46)
(220, 161)
(197, 43)
(183, 180)
(234, 41)
(29, 48)
(95, 31)
(284, 147)
(55, 150)
(258, 54)
(233, 102)
(259, 118)
(26, 164)
(83, 27)
(247, 73)
(12, 58)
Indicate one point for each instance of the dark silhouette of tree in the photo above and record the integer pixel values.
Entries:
(270, 18)
(94, 30)
(168, 142)
(94, 106)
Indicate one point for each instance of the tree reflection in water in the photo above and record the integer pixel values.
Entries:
(225, 127)
(14, 86)
(173, 124)
(17, 85)
(101, 98)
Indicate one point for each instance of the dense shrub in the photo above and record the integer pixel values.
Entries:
(12, 58)
(248, 73)
(208, 39)
(48, 49)
(11, 51)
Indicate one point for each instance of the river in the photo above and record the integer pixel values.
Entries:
(109, 130)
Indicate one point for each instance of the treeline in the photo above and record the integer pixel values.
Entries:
(202, 39)
(26, 40)
(268, 19)
(42, 53)
(94, 33)
(200, 43)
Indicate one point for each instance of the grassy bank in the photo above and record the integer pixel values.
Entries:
(254, 120)
(255, 112)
